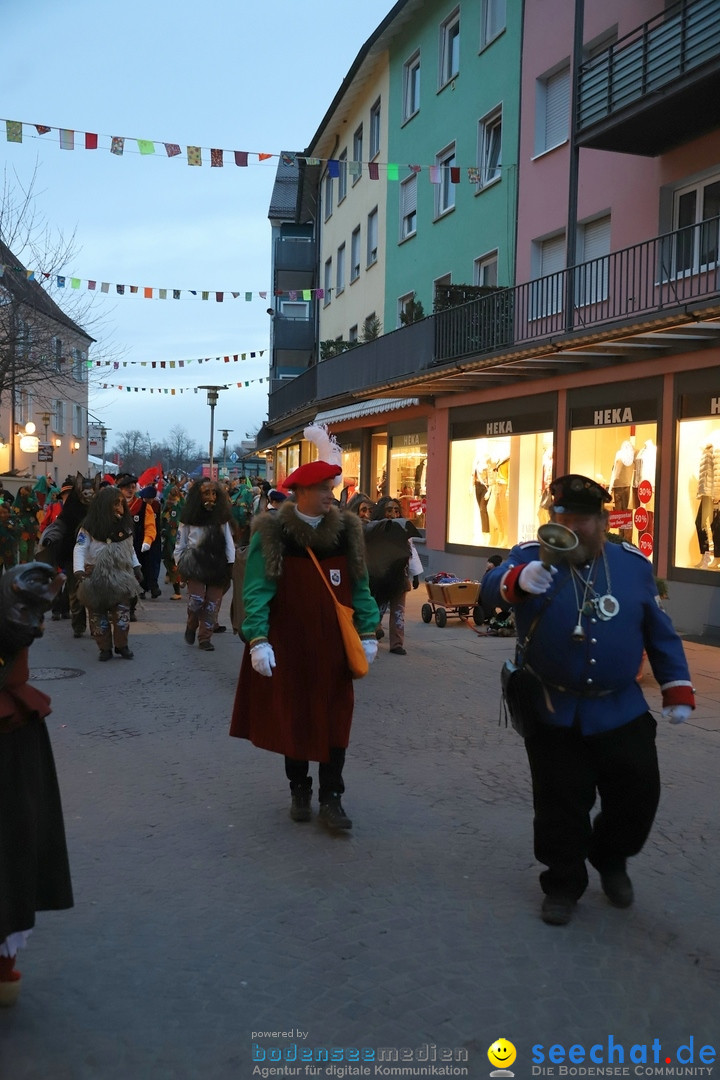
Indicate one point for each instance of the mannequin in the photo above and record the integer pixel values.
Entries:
(497, 504)
(709, 496)
(645, 460)
(546, 475)
(481, 485)
(621, 481)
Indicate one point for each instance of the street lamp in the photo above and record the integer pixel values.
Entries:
(213, 392)
(226, 432)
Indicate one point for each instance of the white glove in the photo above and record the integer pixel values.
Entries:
(262, 658)
(535, 579)
(677, 714)
(145, 547)
(370, 648)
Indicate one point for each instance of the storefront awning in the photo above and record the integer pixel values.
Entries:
(364, 408)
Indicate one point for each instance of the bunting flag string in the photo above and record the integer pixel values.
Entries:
(171, 365)
(106, 288)
(175, 390)
(119, 145)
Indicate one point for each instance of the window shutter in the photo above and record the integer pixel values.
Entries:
(552, 255)
(557, 108)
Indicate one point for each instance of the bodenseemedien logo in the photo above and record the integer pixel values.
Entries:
(501, 1054)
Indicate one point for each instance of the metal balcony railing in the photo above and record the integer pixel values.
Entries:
(648, 60)
(660, 274)
(295, 254)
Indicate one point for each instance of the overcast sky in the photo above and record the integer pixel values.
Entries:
(225, 73)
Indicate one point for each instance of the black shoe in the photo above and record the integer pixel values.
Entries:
(105, 654)
(206, 646)
(219, 629)
(155, 592)
(618, 888)
(133, 617)
(333, 815)
(125, 652)
(557, 910)
(399, 651)
(78, 633)
(190, 637)
(300, 805)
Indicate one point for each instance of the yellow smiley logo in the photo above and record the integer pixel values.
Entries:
(502, 1053)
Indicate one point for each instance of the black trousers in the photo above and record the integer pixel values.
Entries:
(330, 779)
(569, 771)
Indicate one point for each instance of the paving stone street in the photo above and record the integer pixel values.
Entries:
(209, 929)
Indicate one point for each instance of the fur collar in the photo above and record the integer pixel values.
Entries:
(283, 530)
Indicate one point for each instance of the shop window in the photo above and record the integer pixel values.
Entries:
(622, 459)
(350, 480)
(498, 493)
(697, 530)
(378, 465)
(408, 472)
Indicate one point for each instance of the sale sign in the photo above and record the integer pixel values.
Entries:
(645, 543)
(620, 519)
(641, 519)
(645, 491)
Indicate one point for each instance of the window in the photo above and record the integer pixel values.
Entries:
(340, 271)
(78, 425)
(375, 130)
(591, 280)
(353, 333)
(56, 353)
(342, 176)
(405, 306)
(450, 48)
(408, 207)
(372, 237)
(490, 147)
(492, 20)
(357, 154)
(327, 282)
(328, 196)
(696, 211)
(79, 369)
(549, 261)
(295, 309)
(23, 338)
(59, 420)
(24, 407)
(552, 112)
(355, 255)
(445, 189)
(485, 270)
(411, 86)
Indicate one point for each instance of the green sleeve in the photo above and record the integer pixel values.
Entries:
(367, 614)
(258, 591)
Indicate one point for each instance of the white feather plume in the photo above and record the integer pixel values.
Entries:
(327, 445)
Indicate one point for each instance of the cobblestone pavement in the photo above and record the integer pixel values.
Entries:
(205, 919)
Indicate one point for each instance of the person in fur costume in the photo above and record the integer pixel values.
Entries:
(204, 554)
(295, 692)
(57, 542)
(34, 870)
(107, 571)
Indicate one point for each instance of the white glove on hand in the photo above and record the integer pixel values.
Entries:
(262, 658)
(145, 547)
(677, 714)
(370, 648)
(535, 579)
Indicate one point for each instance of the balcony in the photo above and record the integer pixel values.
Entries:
(657, 87)
(294, 263)
(293, 335)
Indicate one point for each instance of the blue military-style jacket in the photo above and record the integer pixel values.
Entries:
(592, 683)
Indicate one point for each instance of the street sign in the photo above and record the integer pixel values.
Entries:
(233, 457)
(45, 451)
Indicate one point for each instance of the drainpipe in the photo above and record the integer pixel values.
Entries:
(574, 170)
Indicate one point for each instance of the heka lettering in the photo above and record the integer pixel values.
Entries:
(612, 416)
(499, 427)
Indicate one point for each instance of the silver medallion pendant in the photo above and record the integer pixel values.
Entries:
(607, 606)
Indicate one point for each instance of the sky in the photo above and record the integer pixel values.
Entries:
(224, 73)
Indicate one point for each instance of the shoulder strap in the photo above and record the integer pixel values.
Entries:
(314, 558)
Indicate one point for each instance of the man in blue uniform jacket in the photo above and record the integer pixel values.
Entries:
(588, 621)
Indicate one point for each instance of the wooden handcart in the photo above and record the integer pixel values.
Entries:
(460, 598)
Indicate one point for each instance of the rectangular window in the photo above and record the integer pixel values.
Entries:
(59, 421)
(408, 207)
(696, 212)
(357, 154)
(492, 20)
(342, 177)
(328, 196)
(56, 353)
(490, 147)
(485, 270)
(375, 130)
(445, 190)
(450, 48)
(552, 115)
(340, 271)
(547, 292)
(405, 306)
(353, 333)
(78, 425)
(372, 237)
(327, 282)
(24, 407)
(79, 368)
(411, 86)
(295, 309)
(355, 255)
(591, 281)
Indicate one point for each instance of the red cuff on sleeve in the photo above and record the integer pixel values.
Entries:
(678, 695)
(510, 590)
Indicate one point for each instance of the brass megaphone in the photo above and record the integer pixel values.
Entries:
(556, 543)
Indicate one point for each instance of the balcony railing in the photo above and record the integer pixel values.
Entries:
(674, 44)
(294, 254)
(293, 335)
(660, 274)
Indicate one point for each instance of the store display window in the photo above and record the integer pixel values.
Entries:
(498, 492)
(621, 457)
(287, 459)
(378, 466)
(350, 480)
(407, 475)
(697, 528)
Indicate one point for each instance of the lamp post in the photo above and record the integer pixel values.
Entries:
(226, 432)
(213, 392)
(103, 437)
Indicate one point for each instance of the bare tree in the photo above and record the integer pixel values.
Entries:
(181, 453)
(133, 448)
